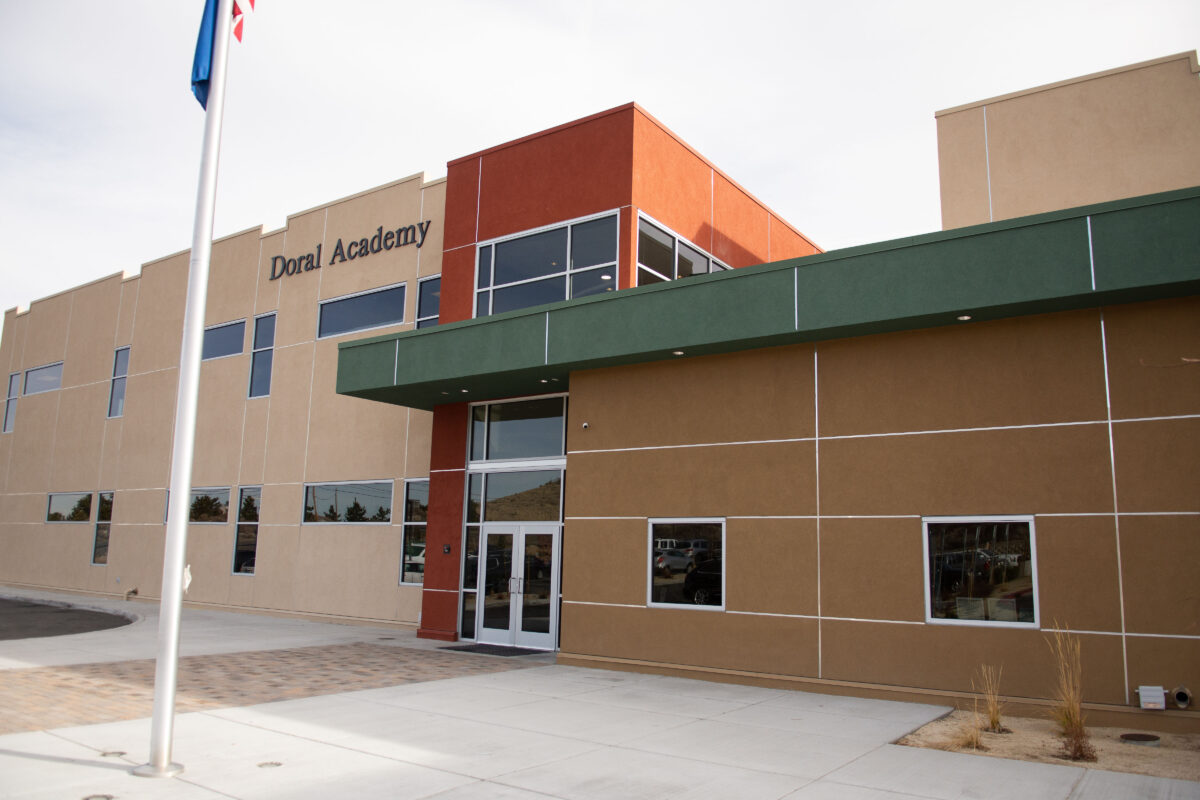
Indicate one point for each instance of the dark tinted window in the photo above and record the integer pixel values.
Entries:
(525, 429)
(656, 250)
(372, 310)
(594, 242)
(524, 295)
(69, 507)
(531, 256)
(43, 379)
(981, 571)
(348, 502)
(429, 300)
(224, 340)
(264, 332)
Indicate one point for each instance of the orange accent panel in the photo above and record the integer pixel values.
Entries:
(671, 182)
(439, 616)
(439, 609)
(787, 242)
(568, 172)
(462, 200)
(740, 225)
(458, 285)
(627, 249)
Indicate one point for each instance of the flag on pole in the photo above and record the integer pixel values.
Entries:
(202, 62)
(237, 19)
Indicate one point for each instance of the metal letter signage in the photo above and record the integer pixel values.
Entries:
(356, 248)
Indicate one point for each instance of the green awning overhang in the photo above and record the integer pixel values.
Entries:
(1129, 250)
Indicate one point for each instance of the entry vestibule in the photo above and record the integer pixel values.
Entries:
(511, 553)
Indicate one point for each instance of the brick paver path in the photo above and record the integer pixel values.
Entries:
(43, 698)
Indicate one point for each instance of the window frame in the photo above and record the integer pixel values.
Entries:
(255, 352)
(25, 385)
(375, 290)
(241, 347)
(428, 321)
(1027, 519)
(715, 264)
(406, 524)
(238, 522)
(650, 537)
(567, 273)
(391, 484)
(50, 500)
(206, 489)
(12, 394)
(106, 522)
(502, 464)
(123, 378)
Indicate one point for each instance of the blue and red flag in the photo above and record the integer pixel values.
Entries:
(202, 62)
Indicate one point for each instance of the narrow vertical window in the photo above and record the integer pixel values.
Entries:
(245, 547)
(10, 402)
(103, 528)
(416, 513)
(429, 298)
(260, 361)
(116, 395)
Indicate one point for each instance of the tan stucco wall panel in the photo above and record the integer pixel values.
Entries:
(962, 165)
(1078, 586)
(254, 441)
(276, 562)
(142, 507)
(232, 279)
(765, 394)
(1154, 358)
(340, 426)
(418, 445)
(135, 558)
(297, 320)
(1021, 371)
(92, 335)
(267, 291)
(1106, 136)
(287, 425)
(48, 324)
(604, 560)
(871, 569)
(1159, 558)
(148, 430)
(774, 479)
(771, 565)
(110, 452)
(1167, 663)
(1020, 471)
(125, 319)
(210, 554)
(220, 420)
(158, 325)
(78, 440)
(33, 431)
(345, 565)
(692, 636)
(1158, 465)
(282, 504)
(900, 655)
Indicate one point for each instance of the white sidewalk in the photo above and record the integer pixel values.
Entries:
(548, 731)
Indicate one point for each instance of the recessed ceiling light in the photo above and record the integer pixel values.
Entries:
(964, 317)
(676, 352)
(606, 277)
(464, 391)
(543, 380)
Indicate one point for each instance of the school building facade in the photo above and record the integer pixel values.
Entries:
(587, 394)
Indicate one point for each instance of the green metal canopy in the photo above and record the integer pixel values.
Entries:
(1142, 248)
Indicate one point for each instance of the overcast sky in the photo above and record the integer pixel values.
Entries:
(824, 111)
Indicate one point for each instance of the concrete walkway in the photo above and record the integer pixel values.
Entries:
(525, 728)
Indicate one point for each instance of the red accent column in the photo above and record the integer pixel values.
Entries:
(443, 532)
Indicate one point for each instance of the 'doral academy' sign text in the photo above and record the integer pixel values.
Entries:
(356, 248)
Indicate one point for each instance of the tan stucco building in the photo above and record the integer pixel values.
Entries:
(615, 407)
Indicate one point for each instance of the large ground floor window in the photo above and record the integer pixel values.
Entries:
(981, 570)
(687, 562)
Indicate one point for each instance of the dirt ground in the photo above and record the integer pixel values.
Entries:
(1031, 739)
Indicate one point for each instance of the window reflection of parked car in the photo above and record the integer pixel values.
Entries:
(696, 549)
(702, 585)
(668, 561)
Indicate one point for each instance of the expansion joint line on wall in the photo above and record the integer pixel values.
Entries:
(1112, 465)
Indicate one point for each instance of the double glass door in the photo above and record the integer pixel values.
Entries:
(518, 584)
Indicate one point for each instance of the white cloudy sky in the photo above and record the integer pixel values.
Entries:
(823, 110)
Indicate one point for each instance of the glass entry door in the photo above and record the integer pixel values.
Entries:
(518, 584)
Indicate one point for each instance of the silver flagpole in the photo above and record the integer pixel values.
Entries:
(162, 724)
